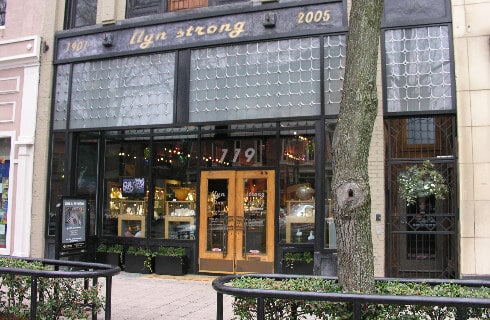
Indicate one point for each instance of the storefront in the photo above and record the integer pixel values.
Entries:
(211, 134)
(214, 132)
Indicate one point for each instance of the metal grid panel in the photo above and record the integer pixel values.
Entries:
(123, 92)
(335, 51)
(61, 97)
(256, 81)
(418, 69)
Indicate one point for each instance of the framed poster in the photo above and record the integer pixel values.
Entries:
(72, 225)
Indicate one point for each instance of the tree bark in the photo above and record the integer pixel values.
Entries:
(351, 142)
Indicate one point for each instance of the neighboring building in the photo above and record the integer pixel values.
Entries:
(206, 125)
(20, 51)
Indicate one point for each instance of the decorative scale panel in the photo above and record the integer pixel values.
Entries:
(334, 52)
(123, 92)
(256, 81)
(61, 97)
(418, 69)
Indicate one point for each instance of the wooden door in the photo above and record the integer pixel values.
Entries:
(236, 227)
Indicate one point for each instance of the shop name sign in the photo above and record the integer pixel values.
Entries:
(320, 18)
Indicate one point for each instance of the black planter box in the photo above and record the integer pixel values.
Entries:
(136, 264)
(111, 258)
(174, 266)
(297, 267)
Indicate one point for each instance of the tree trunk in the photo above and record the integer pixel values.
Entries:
(351, 142)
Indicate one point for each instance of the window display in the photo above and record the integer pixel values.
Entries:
(4, 188)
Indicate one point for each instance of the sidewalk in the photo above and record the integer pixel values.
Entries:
(147, 297)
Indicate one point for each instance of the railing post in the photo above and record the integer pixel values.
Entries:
(33, 313)
(219, 306)
(108, 297)
(356, 308)
(462, 312)
(260, 309)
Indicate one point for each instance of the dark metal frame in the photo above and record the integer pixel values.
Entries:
(357, 300)
(86, 271)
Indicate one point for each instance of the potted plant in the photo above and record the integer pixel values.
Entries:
(139, 260)
(171, 261)
(298, 263)
(421, 181)
(110, 254)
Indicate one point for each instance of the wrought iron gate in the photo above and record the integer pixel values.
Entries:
(422, 237)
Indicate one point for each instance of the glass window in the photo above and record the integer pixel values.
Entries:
(255, 81)
(126, 182)
(5, 145)
(62, 94)
(228, 146)
(57, 180)
(81, 13)
(174, 5)
(330, 235)
(3, 11)
(334, 57)
(297, 181)
(87, 172)
(418, 69)
(123, 92)
(174, 179)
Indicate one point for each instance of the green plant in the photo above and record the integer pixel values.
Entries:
(65, 298)
(246, 308)
(291, 257)
(421, 181)
(171, 251)
(115, 248)
(141, 251)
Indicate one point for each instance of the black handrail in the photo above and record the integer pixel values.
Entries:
(82, 270)
(221, 287)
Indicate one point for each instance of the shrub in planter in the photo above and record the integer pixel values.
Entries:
(298, 263)
(110, 254)
(171, 261)
(59, 298)
(246, 308)
(139, 260)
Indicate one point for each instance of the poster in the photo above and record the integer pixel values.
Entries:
(73, 222)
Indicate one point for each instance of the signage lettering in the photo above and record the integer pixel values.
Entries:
(318, 18)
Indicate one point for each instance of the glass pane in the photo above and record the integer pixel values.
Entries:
(87, 172)
(60, 113)
(418, 73)
(5, 144)
(126, 187)
(297, 213)
(85, 12)
(330, 241)
(123, 92)
(255, 81)
(174, 178)
(217, 221)
(255, 215)
(335, 51)
(56, 183)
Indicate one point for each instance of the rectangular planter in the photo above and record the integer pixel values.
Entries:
(170, 265)
(109, 258)
(135, 264)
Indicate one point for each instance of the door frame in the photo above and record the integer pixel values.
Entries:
(233, 260)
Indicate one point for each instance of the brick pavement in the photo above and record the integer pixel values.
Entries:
(151, 297)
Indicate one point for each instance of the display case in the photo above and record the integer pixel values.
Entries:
(300, 221)
(180, 220)
(130, 216)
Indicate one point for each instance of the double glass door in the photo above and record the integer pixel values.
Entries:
(236, 228)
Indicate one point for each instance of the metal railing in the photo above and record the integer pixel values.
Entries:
(357, 300)
(79, 270)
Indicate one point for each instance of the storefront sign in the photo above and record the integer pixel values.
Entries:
(322, 18)
(73, 224)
